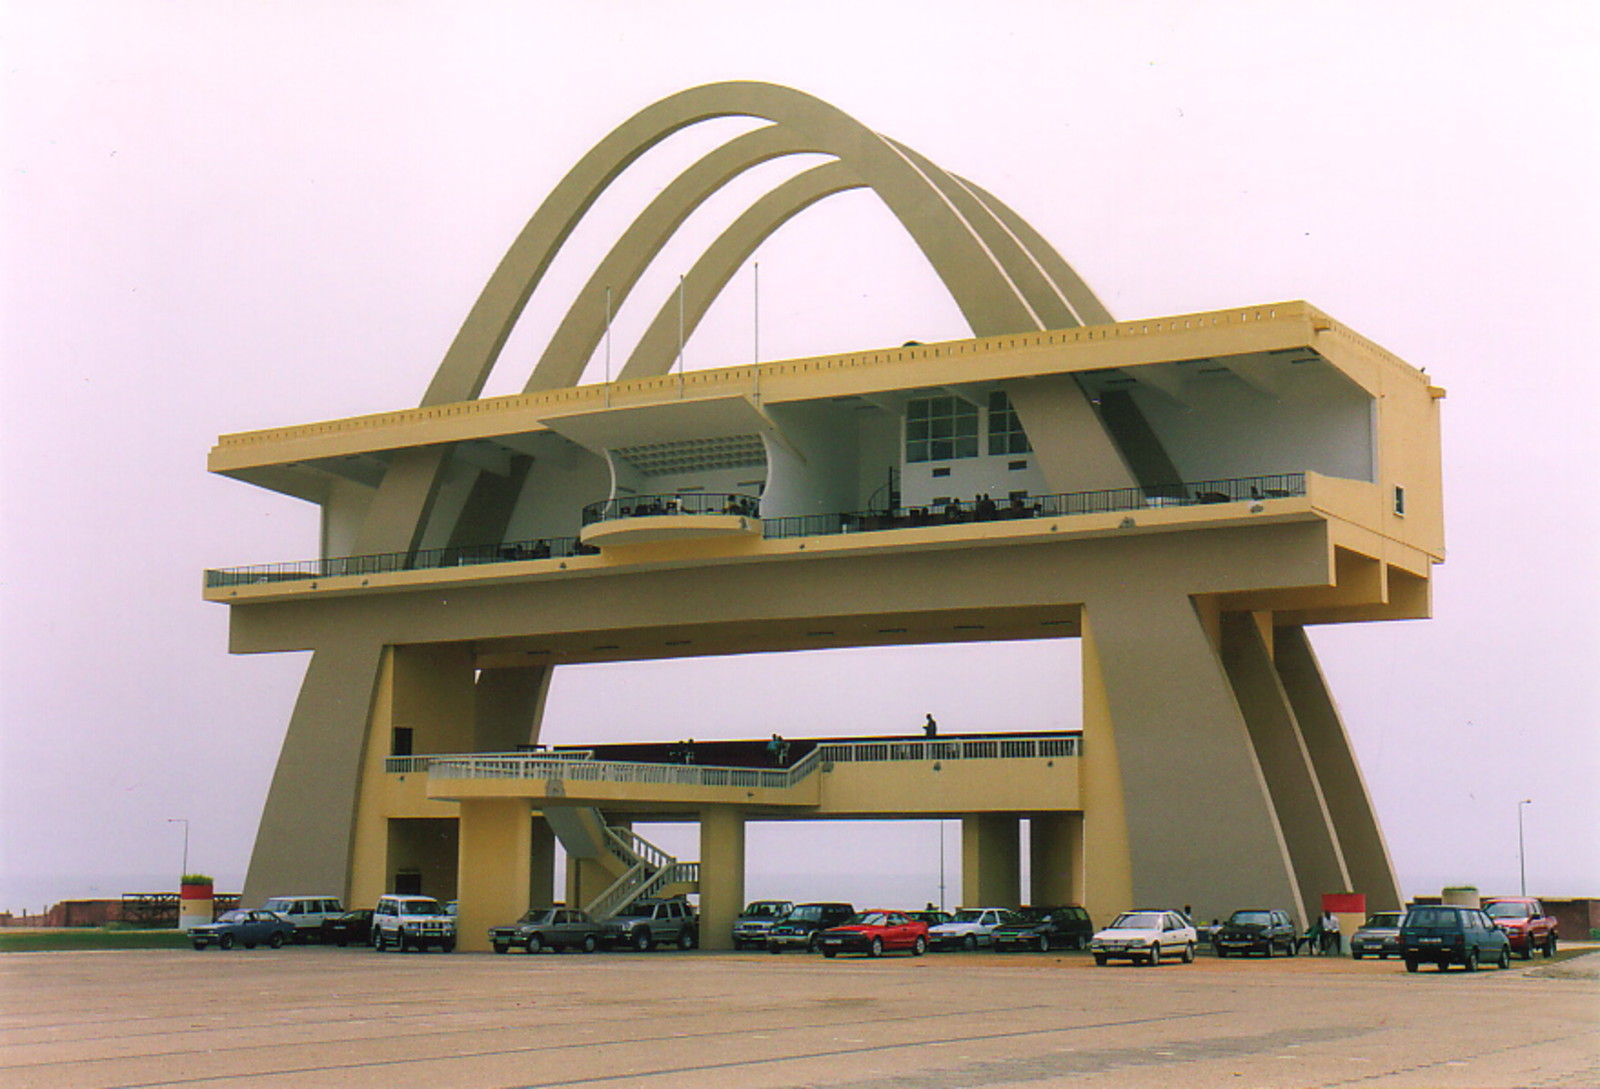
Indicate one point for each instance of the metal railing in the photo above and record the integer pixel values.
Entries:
(1008, 748)
(540, 766)
(542, 548)
(954, 512)
(647, 506)
(1105, 501)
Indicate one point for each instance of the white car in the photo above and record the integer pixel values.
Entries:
(411, 922)
(970, 928)
(1145, 937)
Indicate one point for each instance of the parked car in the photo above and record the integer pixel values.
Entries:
(352, 927)
(1144, 937)
(645, 924)
(970, 928)
(801, 927)
(1378, 937)
(932, 916)
(1525, 922)
(1256, 930)
(875, 933)
(306, 913)
(758, 917)
(246, 928)
(1445, 935)
(412, 922)
(1045, 929)
(548, 928)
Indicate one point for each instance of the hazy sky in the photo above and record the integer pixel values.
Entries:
(226, 216)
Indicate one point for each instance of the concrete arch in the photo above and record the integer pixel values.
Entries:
(981, 281)
(704, 282)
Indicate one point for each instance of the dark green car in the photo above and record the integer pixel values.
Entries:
(1044, 929)
(1437, 934)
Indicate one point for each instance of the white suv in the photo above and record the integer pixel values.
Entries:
(1144, 937)
(305, 912)
(404, 922)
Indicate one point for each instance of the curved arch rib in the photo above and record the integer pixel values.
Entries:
(658, 347)
(584, 325)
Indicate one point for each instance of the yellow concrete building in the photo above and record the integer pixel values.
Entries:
(1176, 498)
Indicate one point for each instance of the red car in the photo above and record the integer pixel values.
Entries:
(1525, 922)
(874, 933)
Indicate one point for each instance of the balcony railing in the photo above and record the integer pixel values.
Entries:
(977, 748)
(647, 506)
(955, 512)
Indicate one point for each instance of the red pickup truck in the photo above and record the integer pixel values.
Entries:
(1525, 922)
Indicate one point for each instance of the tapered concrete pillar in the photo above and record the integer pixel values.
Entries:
(1055, 855)
(496, 853)
(542, 865)
(1285, 764)
(1107, 872)
(991, 860)
(1200, 824)
(721, 875)
(1366, 856)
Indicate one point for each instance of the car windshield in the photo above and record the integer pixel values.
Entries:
(540, 915)
(1137, 920)
(967, 915)
(234, 916)
(1433, 916)
(1506, 911)
(764, 910)
(422, 907)
(1250, 918)
(869, 918)
(1384, 919)
(808, 913)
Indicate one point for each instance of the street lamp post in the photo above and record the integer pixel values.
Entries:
(183, 821)
(1522, 865)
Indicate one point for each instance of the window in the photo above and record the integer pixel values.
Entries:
(1399, 500)
(1005, 429)
(941, 428)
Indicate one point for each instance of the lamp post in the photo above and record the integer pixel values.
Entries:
(1522, 865)
(183, 821)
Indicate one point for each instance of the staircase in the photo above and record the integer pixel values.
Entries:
(640, 867)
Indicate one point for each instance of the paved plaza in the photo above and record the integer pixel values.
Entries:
(351, 1018)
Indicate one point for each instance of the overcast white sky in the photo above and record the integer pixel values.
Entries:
(225, 216)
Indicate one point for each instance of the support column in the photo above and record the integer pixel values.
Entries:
(1366, 855)
(721, 875)
(1107, 869)
(1055, 852)
(1291, 782)
(991, 860)
(494, 875)
(541, 865)
(1200, 825)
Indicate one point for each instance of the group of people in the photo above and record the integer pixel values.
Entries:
(1323, 937)
(778, 751)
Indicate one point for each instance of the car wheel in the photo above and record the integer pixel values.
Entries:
(641, 941)
(1471, 962)
(1043, 944)
(830, 953)
(876, 948)
(589, 943)
(970, 943)
(1188, 953)
(1268, 951)
(249, 945)
(919, 947)
(342, 942)
(1411, 965)
(276, 941)
(225, 942)
(1221, 952)
(502, 947)
(1355, 954)
(1505, 958)
(1100, 959)
(533, 944)
(1527, 948)
(402, 942)
(813, 943)
(686, 939)
(774, 948)
(1550, 946)
(200, 945)
(1155, 956)
(447, 946)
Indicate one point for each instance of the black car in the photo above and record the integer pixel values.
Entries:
(1445, 935)
(800, 928)
(1378, 937)
(351, 927)
(1256, 930)
(1045, 929)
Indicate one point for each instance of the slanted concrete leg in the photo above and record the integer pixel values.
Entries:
(1055, 851)
(496, 851)
(721, 875)
(1366, 856)
(1200, 824)
(991, 870)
